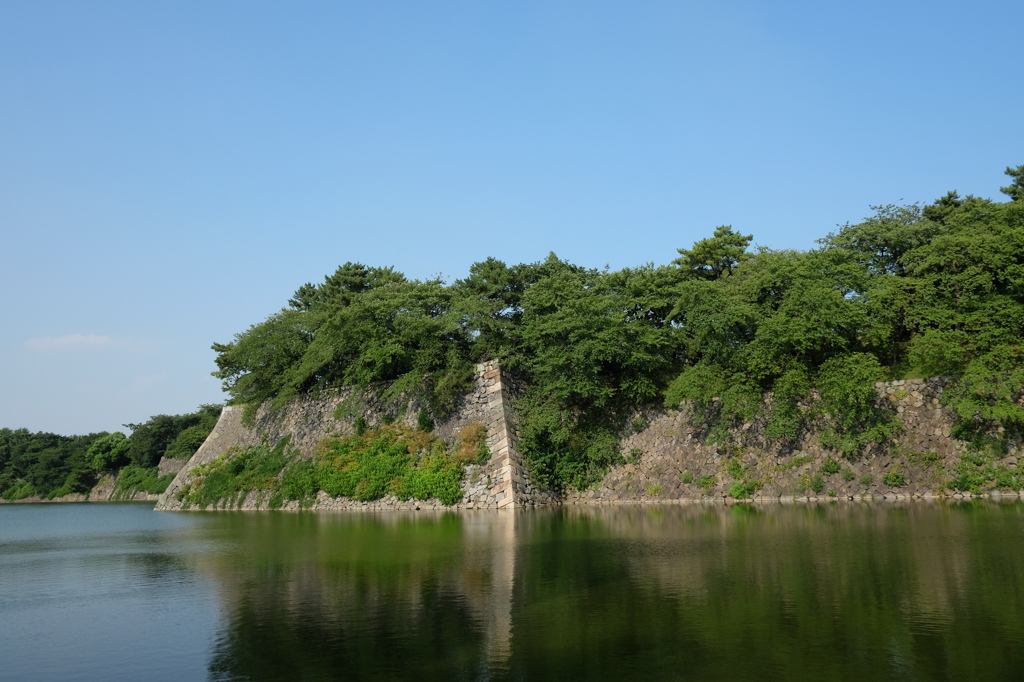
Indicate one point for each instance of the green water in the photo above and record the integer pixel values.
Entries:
(842, 592)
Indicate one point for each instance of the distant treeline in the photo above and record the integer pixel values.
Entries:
(49, 465)
(911, 291)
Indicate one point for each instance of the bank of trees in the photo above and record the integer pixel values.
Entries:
(911, 291)
(50, 465)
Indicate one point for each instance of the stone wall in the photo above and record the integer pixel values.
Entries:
(500, 483)
(669, 455)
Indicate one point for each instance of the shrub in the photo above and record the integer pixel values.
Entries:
(471, 446)
(976, 471)
(925, 459)
(817, 484)
(735, 468)
(894, 479)
(866, 480)
(848, 475)
(707, 483)
(741, 490)
(298, 482)
(424, 421)
(19, 491)
(234, 474)
(831, 466)
(686, 477)
(794, 463)
(848, 397)
(132, 479)
(390, 460)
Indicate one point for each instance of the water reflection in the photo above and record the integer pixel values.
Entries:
(689, 592)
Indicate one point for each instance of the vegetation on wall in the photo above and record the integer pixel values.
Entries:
(911, 291)
(391, 460)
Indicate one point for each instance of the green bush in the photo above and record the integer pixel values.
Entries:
(299, 481)
(19, 491)
(424, 421)
(686, 477)
(132, 479)
(976, 471)
(925, 459)
(228, 479)
(894, 479)
(848, 475)
(831, 466)
(866, 480)
(817, 484)
(707, 483)
(735, 468)
(390, 460)
(742, 490)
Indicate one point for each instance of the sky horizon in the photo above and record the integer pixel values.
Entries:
(171, 172)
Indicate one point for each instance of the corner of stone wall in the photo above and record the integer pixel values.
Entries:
(225, 434)
(512, 486)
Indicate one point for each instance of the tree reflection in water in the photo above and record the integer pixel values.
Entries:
(838, 592)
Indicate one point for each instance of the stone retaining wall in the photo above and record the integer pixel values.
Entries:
(500, 483)
(669, 455)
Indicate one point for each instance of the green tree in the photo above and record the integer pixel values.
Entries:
(881, 241)
(587, 358)
(715, 257)
(1015, 190)
(110, 452)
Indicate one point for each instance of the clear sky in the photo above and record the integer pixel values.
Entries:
(170, 172)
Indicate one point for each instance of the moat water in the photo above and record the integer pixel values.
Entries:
(831, 592)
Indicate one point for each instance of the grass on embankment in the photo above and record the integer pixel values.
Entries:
(392, 460)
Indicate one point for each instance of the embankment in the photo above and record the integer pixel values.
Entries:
(669, 459)
(500, 483)
(667, 454)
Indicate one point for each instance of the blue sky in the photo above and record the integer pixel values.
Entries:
(170, 172)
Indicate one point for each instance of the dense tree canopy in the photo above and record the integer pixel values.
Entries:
(50, 465)
(910, 291)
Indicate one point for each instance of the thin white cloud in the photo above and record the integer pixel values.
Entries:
(72, 342)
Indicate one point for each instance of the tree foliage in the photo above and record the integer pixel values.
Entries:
(49, 465)
(909, 291)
